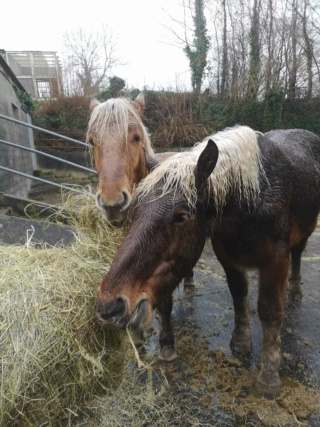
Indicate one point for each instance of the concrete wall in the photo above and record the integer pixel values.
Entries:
(11, 157)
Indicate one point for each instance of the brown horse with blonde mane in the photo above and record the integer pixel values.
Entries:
(120, 144)
(118, 138)
(257, 197)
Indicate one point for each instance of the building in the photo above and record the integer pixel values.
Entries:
(38, 71)
(11, 157)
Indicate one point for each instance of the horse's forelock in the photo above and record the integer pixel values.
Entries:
(238, 168)
(115, 112)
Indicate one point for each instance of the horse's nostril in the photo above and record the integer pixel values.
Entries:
(115, 309)
(119, 308)
(126, 200)
(99, 200)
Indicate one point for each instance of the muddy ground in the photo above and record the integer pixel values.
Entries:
(203, 322)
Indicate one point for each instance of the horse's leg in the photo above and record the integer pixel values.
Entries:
(238, 285)
(272, 293)
(167, 356)
(294, 289)
(188, 283)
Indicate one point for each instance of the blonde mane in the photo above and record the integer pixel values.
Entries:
(238, 167)
(115, 113)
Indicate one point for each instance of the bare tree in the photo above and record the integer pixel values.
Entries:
(261, 46)
(308, 48)
(224, 70)
(229, 50)
(293, 70)
(88, 60)
(270, 46)
(238, 48)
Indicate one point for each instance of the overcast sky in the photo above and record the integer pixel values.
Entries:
(144, 42)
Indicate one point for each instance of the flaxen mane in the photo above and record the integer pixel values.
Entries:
(113, 116)
(238, 167)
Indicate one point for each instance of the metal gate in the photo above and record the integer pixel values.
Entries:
(20, 147)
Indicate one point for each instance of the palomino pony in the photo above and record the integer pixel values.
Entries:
(256, 198)
(118, 138)
(120, 142)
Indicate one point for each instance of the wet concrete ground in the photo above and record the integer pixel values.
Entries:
(203, 323)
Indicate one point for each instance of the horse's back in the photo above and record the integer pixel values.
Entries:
(297, 150)
(292, 165)
(297, 143)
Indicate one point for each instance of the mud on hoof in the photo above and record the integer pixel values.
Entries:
(266, 390)
(295, 295)
(188, 289)
(294, 289)
(241, 346)
(188, 285)
(168, 361)
(168, 366)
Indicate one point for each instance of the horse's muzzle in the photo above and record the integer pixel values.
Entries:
(114, 312)
(115, 212)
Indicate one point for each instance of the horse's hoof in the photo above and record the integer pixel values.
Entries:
(241, 346)
(188, 282)
(168, 360)
(267, 391)
(168, 366)
(295, 296)
(188, 289)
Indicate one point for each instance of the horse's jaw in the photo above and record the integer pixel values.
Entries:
(117, 220)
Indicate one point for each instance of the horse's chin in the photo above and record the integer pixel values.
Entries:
(113, 217)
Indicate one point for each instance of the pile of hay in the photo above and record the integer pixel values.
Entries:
(55, 355)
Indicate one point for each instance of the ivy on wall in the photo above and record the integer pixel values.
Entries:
(26, 101)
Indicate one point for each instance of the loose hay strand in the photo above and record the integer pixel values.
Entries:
(135, 351)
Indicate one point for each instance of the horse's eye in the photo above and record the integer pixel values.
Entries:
(180, 218)
(136, 138)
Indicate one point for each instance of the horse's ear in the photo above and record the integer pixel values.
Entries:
(206, 163)
(141, 102)
(151, 162)
(93, 103)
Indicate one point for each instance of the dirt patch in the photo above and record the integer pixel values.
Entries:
(228, 383)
